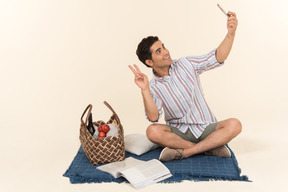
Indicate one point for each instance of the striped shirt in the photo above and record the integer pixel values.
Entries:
(180, 94)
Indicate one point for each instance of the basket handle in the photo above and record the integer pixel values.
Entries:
(89, 109)
(88, 114)
(118, 119)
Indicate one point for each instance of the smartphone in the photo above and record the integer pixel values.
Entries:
(223, 10)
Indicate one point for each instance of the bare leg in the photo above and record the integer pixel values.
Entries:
(225, 131)
(163, 136)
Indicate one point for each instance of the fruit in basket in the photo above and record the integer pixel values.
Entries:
(105, 128)
(101, 135)
(100, 129)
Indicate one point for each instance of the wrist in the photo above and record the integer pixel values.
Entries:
(230, 35)
(145, 91)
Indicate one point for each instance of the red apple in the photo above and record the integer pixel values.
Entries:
(102, 134)
(105, 128)
(100, 129)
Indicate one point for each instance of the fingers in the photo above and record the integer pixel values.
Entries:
(232, 16)
(232, 20)
(135, 70)
(230, 13)
(132, 69)
(139, 76)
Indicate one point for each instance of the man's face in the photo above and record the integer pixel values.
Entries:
(160, 55)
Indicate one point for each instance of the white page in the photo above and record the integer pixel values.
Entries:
(152, 180)
(115, 168)
(147, 173)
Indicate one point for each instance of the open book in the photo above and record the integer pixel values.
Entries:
(138, 173)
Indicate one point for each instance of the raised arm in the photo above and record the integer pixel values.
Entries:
(225, 47)
(142, 82)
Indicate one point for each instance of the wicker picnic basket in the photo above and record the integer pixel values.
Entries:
(107, 149)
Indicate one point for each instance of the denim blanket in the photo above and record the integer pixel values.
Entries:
(197, 168)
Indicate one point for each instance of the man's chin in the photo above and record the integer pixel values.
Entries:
(170, 61)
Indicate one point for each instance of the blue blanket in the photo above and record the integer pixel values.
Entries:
(197, 168)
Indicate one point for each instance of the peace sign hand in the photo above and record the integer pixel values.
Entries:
(140, 79)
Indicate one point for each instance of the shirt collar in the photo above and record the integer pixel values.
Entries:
(166, 77)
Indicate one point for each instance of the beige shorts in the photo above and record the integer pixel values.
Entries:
(189, 135)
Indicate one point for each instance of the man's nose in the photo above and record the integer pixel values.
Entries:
(166, 51)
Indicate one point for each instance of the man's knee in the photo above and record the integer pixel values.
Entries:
(153, 132)
(235, 126)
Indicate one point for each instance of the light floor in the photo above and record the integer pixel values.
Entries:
(39, 168)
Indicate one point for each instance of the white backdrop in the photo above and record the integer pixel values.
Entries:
(56, 57)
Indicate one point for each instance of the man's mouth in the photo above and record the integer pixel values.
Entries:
(166, 58)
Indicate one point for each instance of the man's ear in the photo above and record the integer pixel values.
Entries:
(149, 62)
